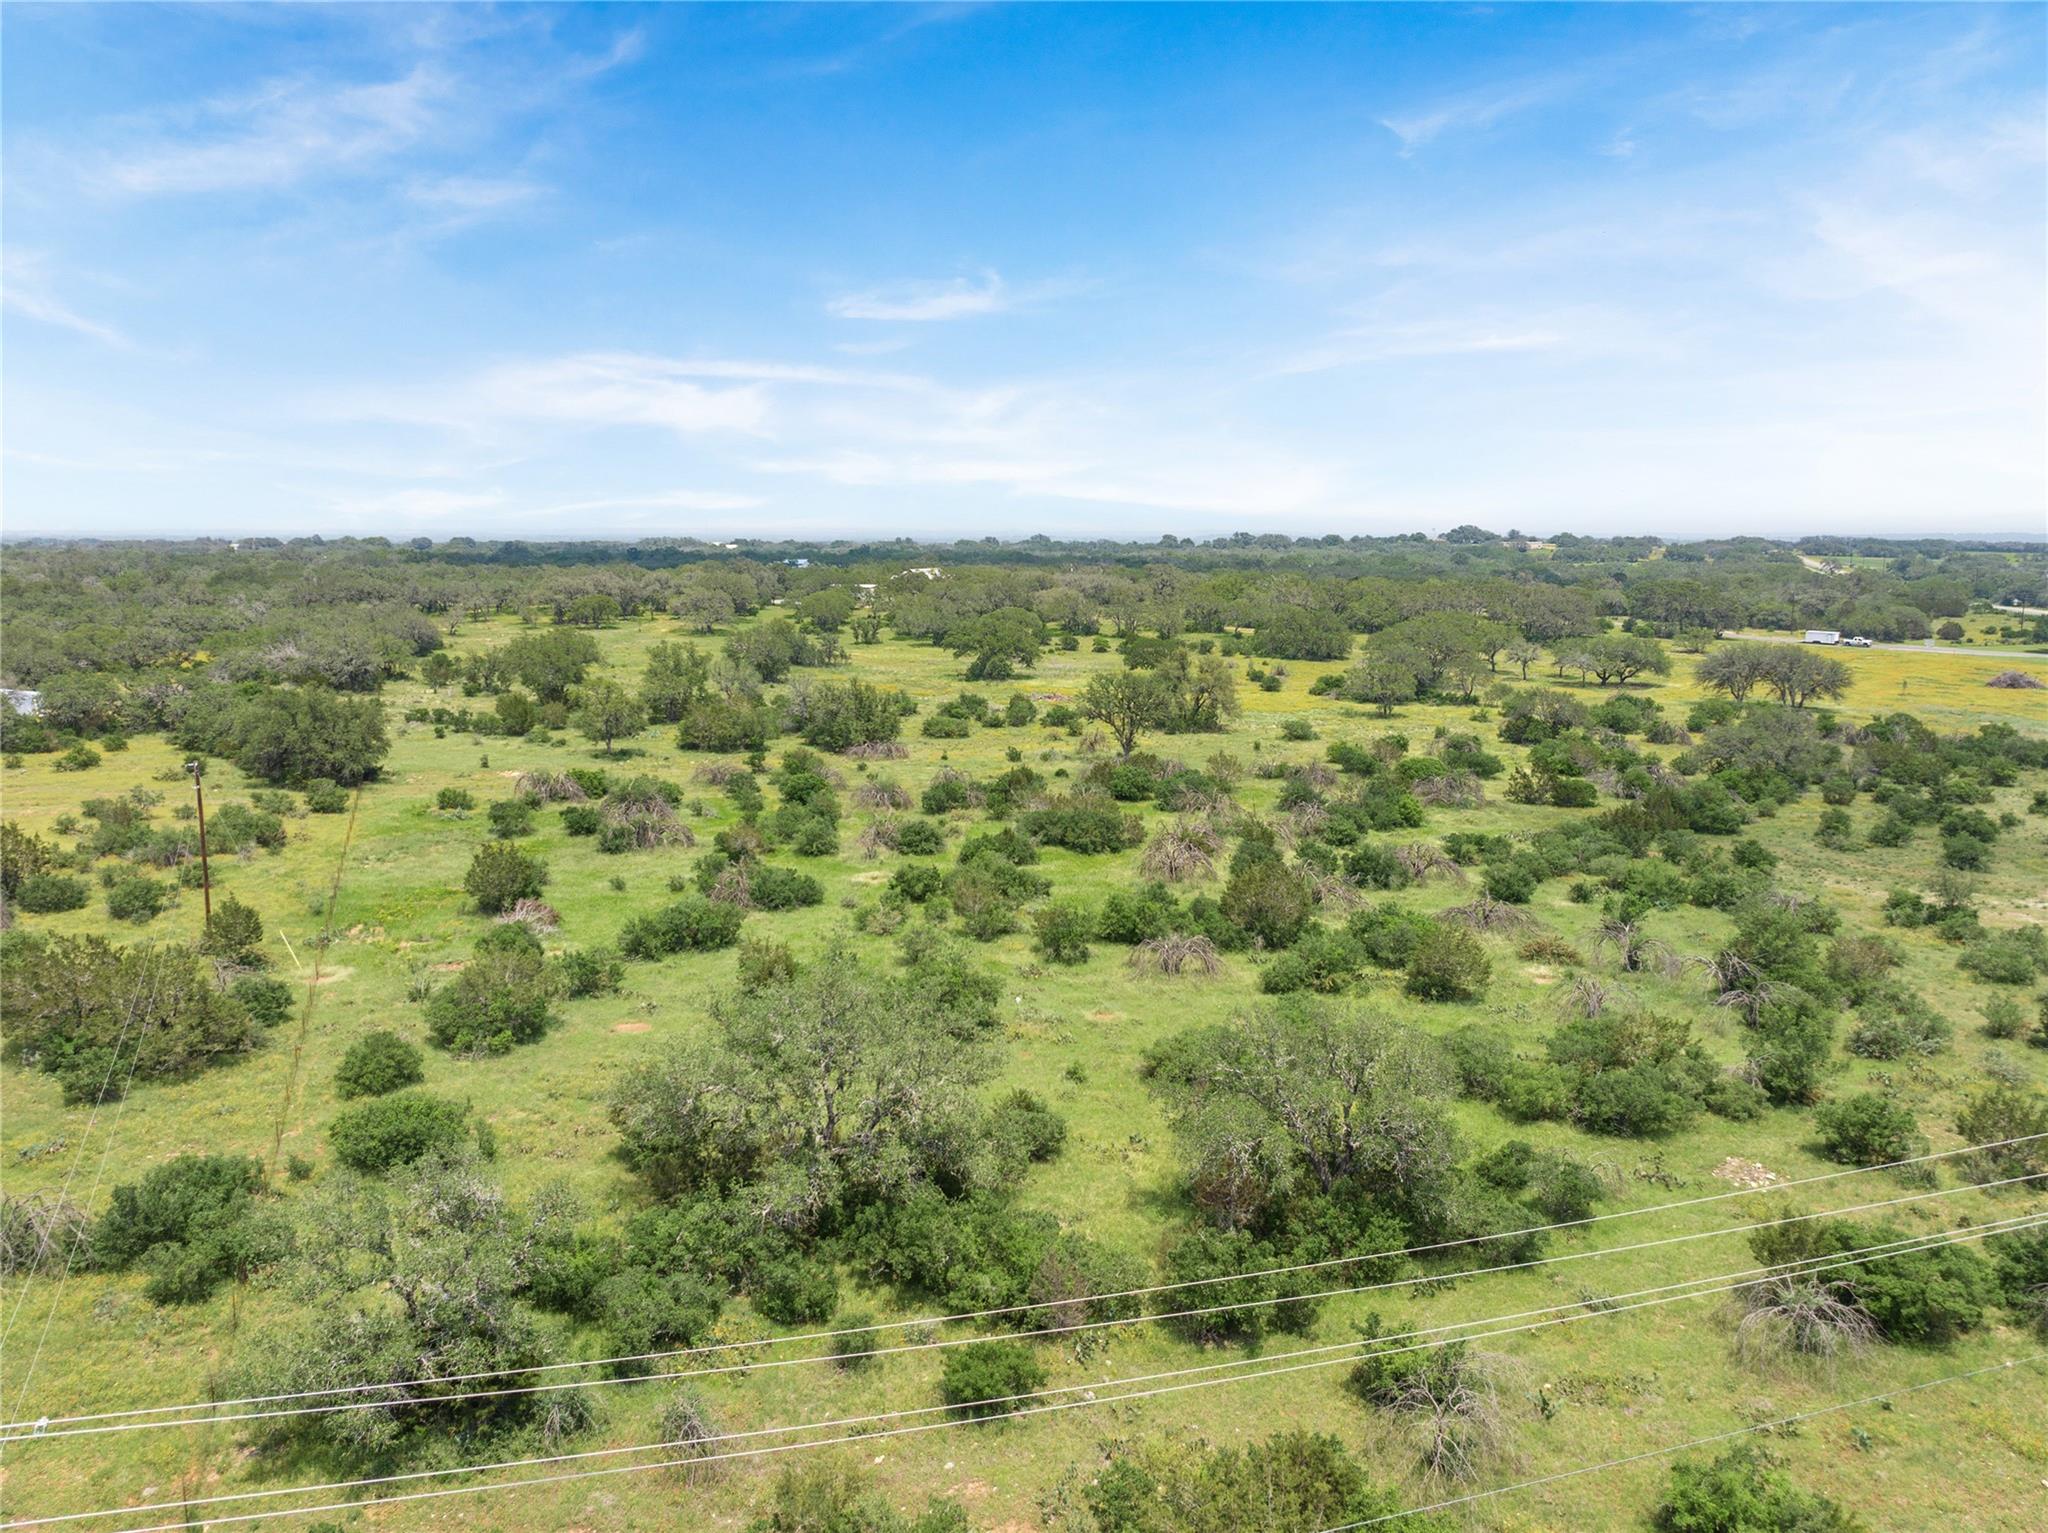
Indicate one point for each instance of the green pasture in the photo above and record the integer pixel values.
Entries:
(1967, 1456)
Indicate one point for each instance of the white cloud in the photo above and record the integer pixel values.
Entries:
(25, 289)
(1474, 110)
(915, 302)
(472, 194)
(664, 500)
(1410, 342)
(417, 503)
(280, 134)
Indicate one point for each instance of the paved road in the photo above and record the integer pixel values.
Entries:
(1904, 649)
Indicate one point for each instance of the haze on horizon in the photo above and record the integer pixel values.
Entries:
(953, 271)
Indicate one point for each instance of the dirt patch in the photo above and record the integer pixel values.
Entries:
(1105, 1016)
(632, 1027)
(335, 975)
(876, 877)
(1541, 974)
(1746, 1173)
(453, 966)
(515, 772)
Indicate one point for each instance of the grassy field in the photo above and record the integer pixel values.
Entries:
(1967, 1456)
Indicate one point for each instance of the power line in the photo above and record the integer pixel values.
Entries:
(1697, 1442)
(94, 1423)
(99, 1175)
(1346, 1352)
(291, 1080)
(78, 1155)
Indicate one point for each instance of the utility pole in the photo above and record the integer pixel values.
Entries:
(205, 871)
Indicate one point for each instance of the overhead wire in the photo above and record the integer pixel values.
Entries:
(1348, 1351)
(129, 1419)
(1697, 1442)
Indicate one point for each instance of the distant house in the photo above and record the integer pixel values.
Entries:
(929, 571)
(799, 564)
(22, 700)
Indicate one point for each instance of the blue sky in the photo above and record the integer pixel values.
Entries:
(613, 270)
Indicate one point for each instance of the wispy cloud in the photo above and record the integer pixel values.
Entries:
(1475, 110)
(280, 134)
(1363, 344)
(921, 302)
(472, 195)
(25, 289)
(660, 500)
(595, 390)
(417, 503)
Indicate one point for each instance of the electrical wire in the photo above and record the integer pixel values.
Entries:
(99, 1174)
(77, 1425)
(1697, 1442)
(1346, 1352)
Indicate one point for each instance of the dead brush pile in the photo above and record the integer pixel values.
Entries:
(1182, 850)
(537, 916)
(1175, 954)
(881, 793)
(638, 815)
(551, 788)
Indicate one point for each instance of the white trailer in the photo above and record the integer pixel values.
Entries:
(1823, 636)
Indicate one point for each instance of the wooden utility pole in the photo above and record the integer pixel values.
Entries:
(205, 871)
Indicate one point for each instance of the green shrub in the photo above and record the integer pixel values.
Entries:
(172, 1203)
(917, 881)
(501, 875)
(268, 1001)
(377, 1063)
(500, 998)
(983, 1379)
(693, 924)
(920, 838)
(1061, 932)
(1129, 917)
(1448, 963)
(1388, 934)
(510, 818)
(584, 820)
(1323, 961)
(773, 888)
(1024, 1131)
(192, 1223)
(454, 798)
(642, 1311)
(583, 972)
(1868, 1130)
(854, 1340)
(2009, 958)
(1267, 902)
(794, 1291)
(1084, 824)
(1743, 1491)
(2005, 1112)
(137, 899)
(49, 893)
(396, 1130)
(326, 796)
